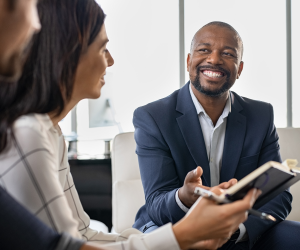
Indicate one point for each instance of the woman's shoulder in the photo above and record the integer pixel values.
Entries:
(34, 122)
(31, 131)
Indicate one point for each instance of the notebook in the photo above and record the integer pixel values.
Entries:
(271, 178)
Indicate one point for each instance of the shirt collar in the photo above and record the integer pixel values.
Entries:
(47, 124)
(200, 109)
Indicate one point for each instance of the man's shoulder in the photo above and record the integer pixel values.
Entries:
(159, 107)
(250, 105)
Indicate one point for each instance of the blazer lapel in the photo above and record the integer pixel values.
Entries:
(191, 130)
(234, 140)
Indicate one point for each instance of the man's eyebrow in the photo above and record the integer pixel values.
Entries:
(231, 48)
(207, 44)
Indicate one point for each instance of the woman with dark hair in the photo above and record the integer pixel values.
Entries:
(66, 64)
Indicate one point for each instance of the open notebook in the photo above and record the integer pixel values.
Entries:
(271, 178)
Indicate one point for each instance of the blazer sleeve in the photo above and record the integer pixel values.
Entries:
(157, 168)
(280, 206)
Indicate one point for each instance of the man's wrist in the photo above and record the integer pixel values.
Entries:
(181, 197)
(179, 203)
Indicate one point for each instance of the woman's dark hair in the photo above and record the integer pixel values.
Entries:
(68, 28)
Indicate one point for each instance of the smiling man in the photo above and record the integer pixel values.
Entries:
(205, 124)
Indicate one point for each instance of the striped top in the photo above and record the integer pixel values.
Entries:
(34, 169)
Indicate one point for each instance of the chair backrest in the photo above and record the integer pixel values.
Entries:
(289, 141)
(127, 194)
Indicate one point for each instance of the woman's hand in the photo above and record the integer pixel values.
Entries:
(207, 220)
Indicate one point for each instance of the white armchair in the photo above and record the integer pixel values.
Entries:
(127, 192)
(289, 141)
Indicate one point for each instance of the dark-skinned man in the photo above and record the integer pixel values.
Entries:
(205, 124)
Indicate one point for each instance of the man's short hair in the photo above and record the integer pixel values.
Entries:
(223, 25)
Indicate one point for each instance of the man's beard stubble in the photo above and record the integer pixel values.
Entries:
(216, 93)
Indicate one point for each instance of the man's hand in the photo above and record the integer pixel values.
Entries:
(228, 184)
(202, 222)
(193, 180)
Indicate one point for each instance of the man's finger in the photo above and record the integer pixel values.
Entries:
(198, 172)
(194, 175)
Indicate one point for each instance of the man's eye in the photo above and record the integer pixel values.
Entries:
(203, 50)
(228, 54)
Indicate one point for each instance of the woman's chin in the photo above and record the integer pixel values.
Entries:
(94, 95)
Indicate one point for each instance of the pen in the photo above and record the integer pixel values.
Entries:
(212, 196)
(262, 215)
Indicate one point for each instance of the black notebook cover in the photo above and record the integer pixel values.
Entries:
(272, 182)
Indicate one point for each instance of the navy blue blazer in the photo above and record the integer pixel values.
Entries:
(170, 144)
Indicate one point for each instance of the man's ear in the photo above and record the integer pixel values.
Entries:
(188, 62)
(241, 66)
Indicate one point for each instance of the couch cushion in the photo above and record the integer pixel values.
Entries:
(289, 141)
(128, 198)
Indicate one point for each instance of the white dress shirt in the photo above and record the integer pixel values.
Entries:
(214, 136)
(34, 169)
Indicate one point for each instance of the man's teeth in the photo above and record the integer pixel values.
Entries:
(212, 74)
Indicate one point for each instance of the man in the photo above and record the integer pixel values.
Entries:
(204, 124)
(22, 230)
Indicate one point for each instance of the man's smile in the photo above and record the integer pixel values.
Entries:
(213, 74)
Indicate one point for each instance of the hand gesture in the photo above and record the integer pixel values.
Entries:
(193, 180)
(207, 220)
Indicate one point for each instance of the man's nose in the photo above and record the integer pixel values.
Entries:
(214, 58)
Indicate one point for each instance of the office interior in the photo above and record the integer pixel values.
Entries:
(149, 41)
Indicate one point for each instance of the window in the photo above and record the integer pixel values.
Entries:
(296, 62)
(264, 36)
(144, 41)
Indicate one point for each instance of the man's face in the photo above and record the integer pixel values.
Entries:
(17, 26)
(215, 60)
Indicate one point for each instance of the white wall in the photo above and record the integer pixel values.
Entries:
(144, 41)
